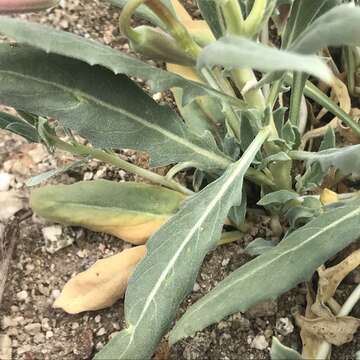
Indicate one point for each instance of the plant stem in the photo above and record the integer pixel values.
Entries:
(232, 14)
(84, 151)
(296, 95)
(345, 310)
(254, 20)
(317, 95)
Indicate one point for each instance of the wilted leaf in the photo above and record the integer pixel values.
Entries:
(316, 242)
(328, 197)
(106, 109)
(102, 284)
(238, 52)
(281, 352)
(130, 211)
(337, 331)
(330, 278)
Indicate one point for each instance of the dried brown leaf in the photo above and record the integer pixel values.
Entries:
(337, 331)
(102, 284)
(330, 279)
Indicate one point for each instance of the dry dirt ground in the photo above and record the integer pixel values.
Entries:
(36, 276)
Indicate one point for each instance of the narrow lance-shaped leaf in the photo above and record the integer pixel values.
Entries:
(339, 26)
(175, 254)
(109, 110)
(294, 260)
(240, 52)
(131, 211)
(303, 14)
(282, 352)
(95, 53)
(22, 6)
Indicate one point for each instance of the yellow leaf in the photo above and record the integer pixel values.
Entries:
(102, 284)
(184, 71)
(130, 211)
(181, 12)
(328, 197)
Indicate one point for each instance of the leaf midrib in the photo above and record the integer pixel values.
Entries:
(293, 249)
(245, 163)
(97, 207)
(220, 161)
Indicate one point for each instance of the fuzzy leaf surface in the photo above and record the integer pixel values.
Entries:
(95, 53)
(294, 260)
(109, 110)
(175, 254)
(339, 26)
(303, 14)
(238, 52)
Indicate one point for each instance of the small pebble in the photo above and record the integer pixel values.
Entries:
(22, 295)
(259, 343)
(97, 318)
(5, 180)
(101, 332)
(33, 329)
(284, 326)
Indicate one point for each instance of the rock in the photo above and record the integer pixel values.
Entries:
(196, 287)
(54, 239)
(5, 180)
(39, 338)
(33, 329)
(97, 318)
(11, 202)
(22, 295)
(239, 322)
(5, 347)
(101, 332)
(259, 343)
(7, 322)
(49, 334)
(55, 293)
(266, 308)
(284, 326)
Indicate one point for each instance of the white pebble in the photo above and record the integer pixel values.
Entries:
(22, 295)
(259, 342)
(5, 180)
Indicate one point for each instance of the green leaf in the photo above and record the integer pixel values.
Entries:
(18, 126)
(240, 52)
(210, 12)
(337, 27)
(278, 197)
(95, 53)
(346, 159)
(259, 246)
(303, 14)
(175, 253)
(282, 352)
(109, 110)
(294, 260)
(329, 140)
(131, 211)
